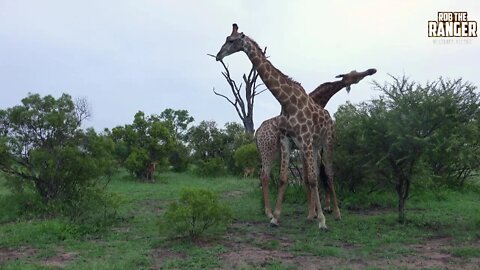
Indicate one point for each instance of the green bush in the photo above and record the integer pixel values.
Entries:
(412, 135)
(179, 158)
(247, 156)
(197, 211)
(137, 162)
(148, 139)
(94, 212)
(52, 166)
(213, 167)
(365, 200)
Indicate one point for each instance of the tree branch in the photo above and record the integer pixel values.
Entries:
(225, 97)
(243, 107)
(234, 104)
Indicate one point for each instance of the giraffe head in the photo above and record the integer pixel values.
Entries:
(235, 42)
(354, 77)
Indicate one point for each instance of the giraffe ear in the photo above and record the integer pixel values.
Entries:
(242, 35)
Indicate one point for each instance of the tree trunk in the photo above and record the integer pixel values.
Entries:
(243, 106)
(401, 209)
(403, 189)
(248, 125)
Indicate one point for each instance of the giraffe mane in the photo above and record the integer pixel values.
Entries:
(319, 88)
(288, 78)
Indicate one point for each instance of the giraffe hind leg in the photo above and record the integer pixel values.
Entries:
(326, 188)
(330, 183)
(312, 181)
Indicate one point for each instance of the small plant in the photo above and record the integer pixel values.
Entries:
(213, 167)
(197, 211)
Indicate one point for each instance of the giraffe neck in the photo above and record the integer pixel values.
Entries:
(322, 94)
(281, 86)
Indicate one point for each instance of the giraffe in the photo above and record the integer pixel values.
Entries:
(307, 123)
(151, 167)
(267, 137)
(248, 172)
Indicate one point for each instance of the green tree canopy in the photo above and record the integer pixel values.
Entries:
(207, 141)
(411, 132)
(177, 121)
(43, 147)
(147, 140)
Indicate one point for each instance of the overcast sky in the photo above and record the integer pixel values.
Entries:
(125, 56)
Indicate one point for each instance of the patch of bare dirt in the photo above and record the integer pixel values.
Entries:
(233, 194)
(249, 256)
(262, 233)
(157, 206)
(161, 255)
(7, 254)
(245, 249)
(60, 259)
(246, 255)
(433, 253)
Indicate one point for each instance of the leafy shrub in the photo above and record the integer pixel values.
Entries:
(197, 211)
(179, 158)
(16, 205)
(412, 133)
(213, 167)
(365, 200)
(137, 162)
(207, 141)
(50, 164)
(95, 211)
(247, 156)
(148, 139)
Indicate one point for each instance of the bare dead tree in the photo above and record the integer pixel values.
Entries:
(82, 109)
(243, 106)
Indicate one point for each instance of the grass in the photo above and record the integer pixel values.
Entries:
(467, 252)
(371, 236)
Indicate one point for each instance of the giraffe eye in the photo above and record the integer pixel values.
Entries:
(230, 41)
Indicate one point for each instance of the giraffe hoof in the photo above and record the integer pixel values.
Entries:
(274, 223)
(322, 228)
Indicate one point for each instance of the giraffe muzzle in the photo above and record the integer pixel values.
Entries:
(219, 56)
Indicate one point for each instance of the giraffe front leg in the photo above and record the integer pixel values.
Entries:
(310, 203)
(266, 199)
(284, 162)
